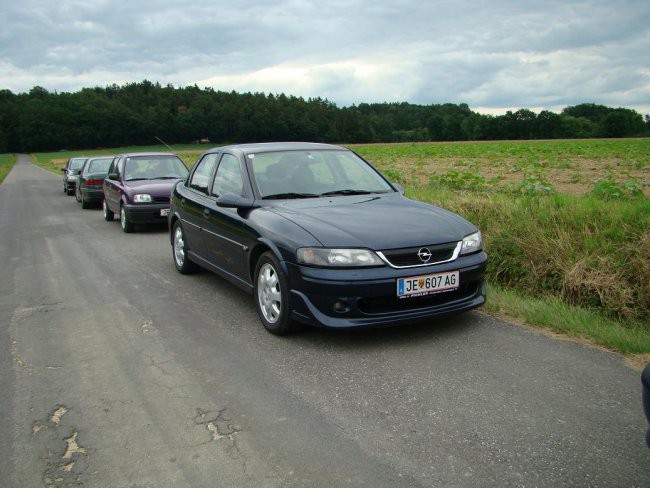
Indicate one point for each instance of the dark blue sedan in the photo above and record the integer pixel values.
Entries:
(320, 237)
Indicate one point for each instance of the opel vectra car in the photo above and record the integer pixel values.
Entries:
(70, 174)
(88, 189)
(320, 237)
(138, 187)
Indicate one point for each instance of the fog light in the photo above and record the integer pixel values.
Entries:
(341, 307)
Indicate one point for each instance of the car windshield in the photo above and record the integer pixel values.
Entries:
(76, 163)
(99, 165)
(309, 174)
(154, 168)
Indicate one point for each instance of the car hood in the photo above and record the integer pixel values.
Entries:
(377, 222)
(155, 188)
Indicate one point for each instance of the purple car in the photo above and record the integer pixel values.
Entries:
(138, 187)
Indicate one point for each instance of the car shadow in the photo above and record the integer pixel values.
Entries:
(369, 338)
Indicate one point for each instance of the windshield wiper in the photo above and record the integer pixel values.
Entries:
(279, 196)
(169, 178)
(136, 179)
(349, 191)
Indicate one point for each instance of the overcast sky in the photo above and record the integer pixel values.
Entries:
(493, 54)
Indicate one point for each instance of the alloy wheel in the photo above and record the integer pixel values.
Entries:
(179, 247)
(269, 293)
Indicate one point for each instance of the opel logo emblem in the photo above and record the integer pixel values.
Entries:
(424, 254)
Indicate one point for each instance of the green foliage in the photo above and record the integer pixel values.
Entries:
(533, 184)
(459, 180)
(608, 189)
(136, 113)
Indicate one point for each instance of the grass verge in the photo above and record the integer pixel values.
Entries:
(551, 313)
(7, 162)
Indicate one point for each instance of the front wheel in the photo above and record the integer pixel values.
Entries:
(77, 194)
(272, 296)
(127, 225)
(179, 251)
(108, 213)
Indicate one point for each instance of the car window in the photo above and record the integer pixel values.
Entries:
(120, 167)
(201, 176)
(229, 177)
(363, 176)
(97, 165)
(76, 163)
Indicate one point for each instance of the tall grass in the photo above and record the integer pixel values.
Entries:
(587, 251)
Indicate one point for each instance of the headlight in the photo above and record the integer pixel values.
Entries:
(319, 256)
(142, 198)
(472, 243)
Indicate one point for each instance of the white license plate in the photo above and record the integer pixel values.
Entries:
(164, 212)
(427, 284)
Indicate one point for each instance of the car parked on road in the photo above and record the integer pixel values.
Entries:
(138, 187)
(70, 174)
(89, 187)
(320, 237)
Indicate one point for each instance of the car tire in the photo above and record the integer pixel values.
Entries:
(108, 213)
(84, 203)
(65, 189)
(127, 225)
(70, 192)
(77, 194)
(272, 296)
(179, 251)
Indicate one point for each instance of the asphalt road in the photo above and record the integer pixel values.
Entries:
(117, 371)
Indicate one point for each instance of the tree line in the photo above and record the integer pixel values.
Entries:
(138, 113)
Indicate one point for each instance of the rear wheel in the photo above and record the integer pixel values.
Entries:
(108, 213)
(84, 203)
(179, 251)
(127, 225)
(272, 296)
(77, 194)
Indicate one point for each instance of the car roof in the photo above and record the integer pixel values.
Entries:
(277, 146)
(145, 154)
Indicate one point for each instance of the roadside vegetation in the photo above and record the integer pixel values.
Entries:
(566, 224)
(7, 162)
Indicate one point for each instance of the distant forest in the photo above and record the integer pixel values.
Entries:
(137, 113)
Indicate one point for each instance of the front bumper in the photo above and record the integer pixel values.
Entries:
(146, 213)
(71, 184)
(367, 297)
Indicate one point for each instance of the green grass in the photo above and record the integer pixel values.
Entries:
(553, 314)
(7, 162)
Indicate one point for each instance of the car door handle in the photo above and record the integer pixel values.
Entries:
(206, 212)
(182, 201)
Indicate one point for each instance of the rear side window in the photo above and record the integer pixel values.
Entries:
(229, 177)
(201, 177)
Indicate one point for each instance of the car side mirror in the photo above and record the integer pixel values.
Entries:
(398, 187)
(77, 172)
(230, 200)
(63, 169)
(113, 176)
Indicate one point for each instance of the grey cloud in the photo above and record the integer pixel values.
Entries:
(501, 53)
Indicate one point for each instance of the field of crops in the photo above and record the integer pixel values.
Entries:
(566, 222)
